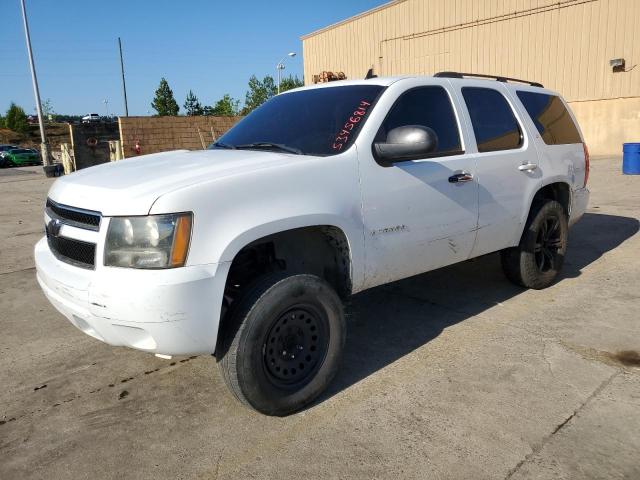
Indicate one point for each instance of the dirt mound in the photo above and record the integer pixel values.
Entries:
(9, 136)
(57, 133)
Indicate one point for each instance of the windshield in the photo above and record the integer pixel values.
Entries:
(319, 121)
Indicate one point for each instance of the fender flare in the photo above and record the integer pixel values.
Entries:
(353, 236)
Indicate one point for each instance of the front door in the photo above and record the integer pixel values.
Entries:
(419, 214)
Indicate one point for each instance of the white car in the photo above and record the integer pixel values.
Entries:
(246, 250)
(91, 118)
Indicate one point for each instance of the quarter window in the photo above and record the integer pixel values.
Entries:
(429, 107)
(494, 124)
(551, 118)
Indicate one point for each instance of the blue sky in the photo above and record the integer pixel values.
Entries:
(211, 47)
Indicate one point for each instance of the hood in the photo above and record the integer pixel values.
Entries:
(130, 186)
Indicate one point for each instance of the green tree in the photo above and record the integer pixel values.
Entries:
(290, 83)
(164, 103)
(16, 119)
(192, 105)
(47, 109)
(227, 106)
(259, 92)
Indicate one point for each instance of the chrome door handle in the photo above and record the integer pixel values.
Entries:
(527, 167)
(461, 177)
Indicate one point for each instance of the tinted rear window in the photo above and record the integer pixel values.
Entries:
(551, 118)
(494, 124)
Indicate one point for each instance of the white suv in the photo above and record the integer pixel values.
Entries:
(91, 118)
(245, 250)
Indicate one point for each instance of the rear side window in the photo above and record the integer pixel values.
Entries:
(429, 107)
(494, 124)
(551, 118)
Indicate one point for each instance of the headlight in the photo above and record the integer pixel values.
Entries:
(156, 241)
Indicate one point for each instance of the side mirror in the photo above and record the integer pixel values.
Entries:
(409, 142)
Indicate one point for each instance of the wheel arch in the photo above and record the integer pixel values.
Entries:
(351, 235)
(308, 245)
(558, 190)
(555, 189)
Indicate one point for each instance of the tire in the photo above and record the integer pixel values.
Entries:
(282, 342)
(537, 260)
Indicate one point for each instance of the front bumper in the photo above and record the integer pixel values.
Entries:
(579, 202)
(170, 312)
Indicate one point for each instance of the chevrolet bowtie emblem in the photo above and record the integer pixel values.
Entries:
(54, 227)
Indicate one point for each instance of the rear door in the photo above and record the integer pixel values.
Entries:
(507, 167)
(560, 143)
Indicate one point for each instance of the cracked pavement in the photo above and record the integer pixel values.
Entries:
(454, 374)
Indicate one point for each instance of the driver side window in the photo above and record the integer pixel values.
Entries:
(430, 107)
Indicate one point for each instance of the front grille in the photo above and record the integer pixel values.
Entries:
(87, 219)
(75, 252)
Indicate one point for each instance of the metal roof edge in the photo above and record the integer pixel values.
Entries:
(351, 19)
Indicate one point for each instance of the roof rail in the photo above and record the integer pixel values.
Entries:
(479, 75)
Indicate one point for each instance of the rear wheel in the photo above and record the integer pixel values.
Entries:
(282, 342)
(537, 260)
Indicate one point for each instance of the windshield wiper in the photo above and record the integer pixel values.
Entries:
(271, 146)
(224, 145)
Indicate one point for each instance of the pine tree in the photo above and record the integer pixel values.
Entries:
(259, 92)
(227, 106)
(192, 105)
(290, 82)
(164, 103)
(16, 119)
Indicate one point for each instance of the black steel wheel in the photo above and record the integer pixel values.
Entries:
(538, 259)
(281, 342)
(296, 346)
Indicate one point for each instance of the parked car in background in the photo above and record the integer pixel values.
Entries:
(247, 250)
(91, 118)
(4, 148)
(19, 157)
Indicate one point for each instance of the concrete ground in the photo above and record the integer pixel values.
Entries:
(452, 374)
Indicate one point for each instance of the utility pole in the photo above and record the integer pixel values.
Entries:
(124, 85)
(44, 147)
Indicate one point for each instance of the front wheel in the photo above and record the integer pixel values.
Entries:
(537, 260)
(282, 342)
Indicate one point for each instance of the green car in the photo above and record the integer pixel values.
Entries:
(19, 157)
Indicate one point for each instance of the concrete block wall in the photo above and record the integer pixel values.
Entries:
(160, 134)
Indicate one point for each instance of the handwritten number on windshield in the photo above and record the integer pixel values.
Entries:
(343, 135)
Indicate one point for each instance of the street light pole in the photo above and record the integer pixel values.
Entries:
(36, 91)
(280, 66)
(124, 85)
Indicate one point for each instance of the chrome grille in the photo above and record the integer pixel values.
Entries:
(70, 250)
(76, 217)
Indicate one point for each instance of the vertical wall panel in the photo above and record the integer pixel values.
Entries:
(565, 44)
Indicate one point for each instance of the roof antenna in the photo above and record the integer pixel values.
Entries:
(370, 74)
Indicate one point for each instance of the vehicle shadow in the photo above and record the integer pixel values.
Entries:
(389, 322)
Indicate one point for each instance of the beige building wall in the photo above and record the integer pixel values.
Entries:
(564, 44)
